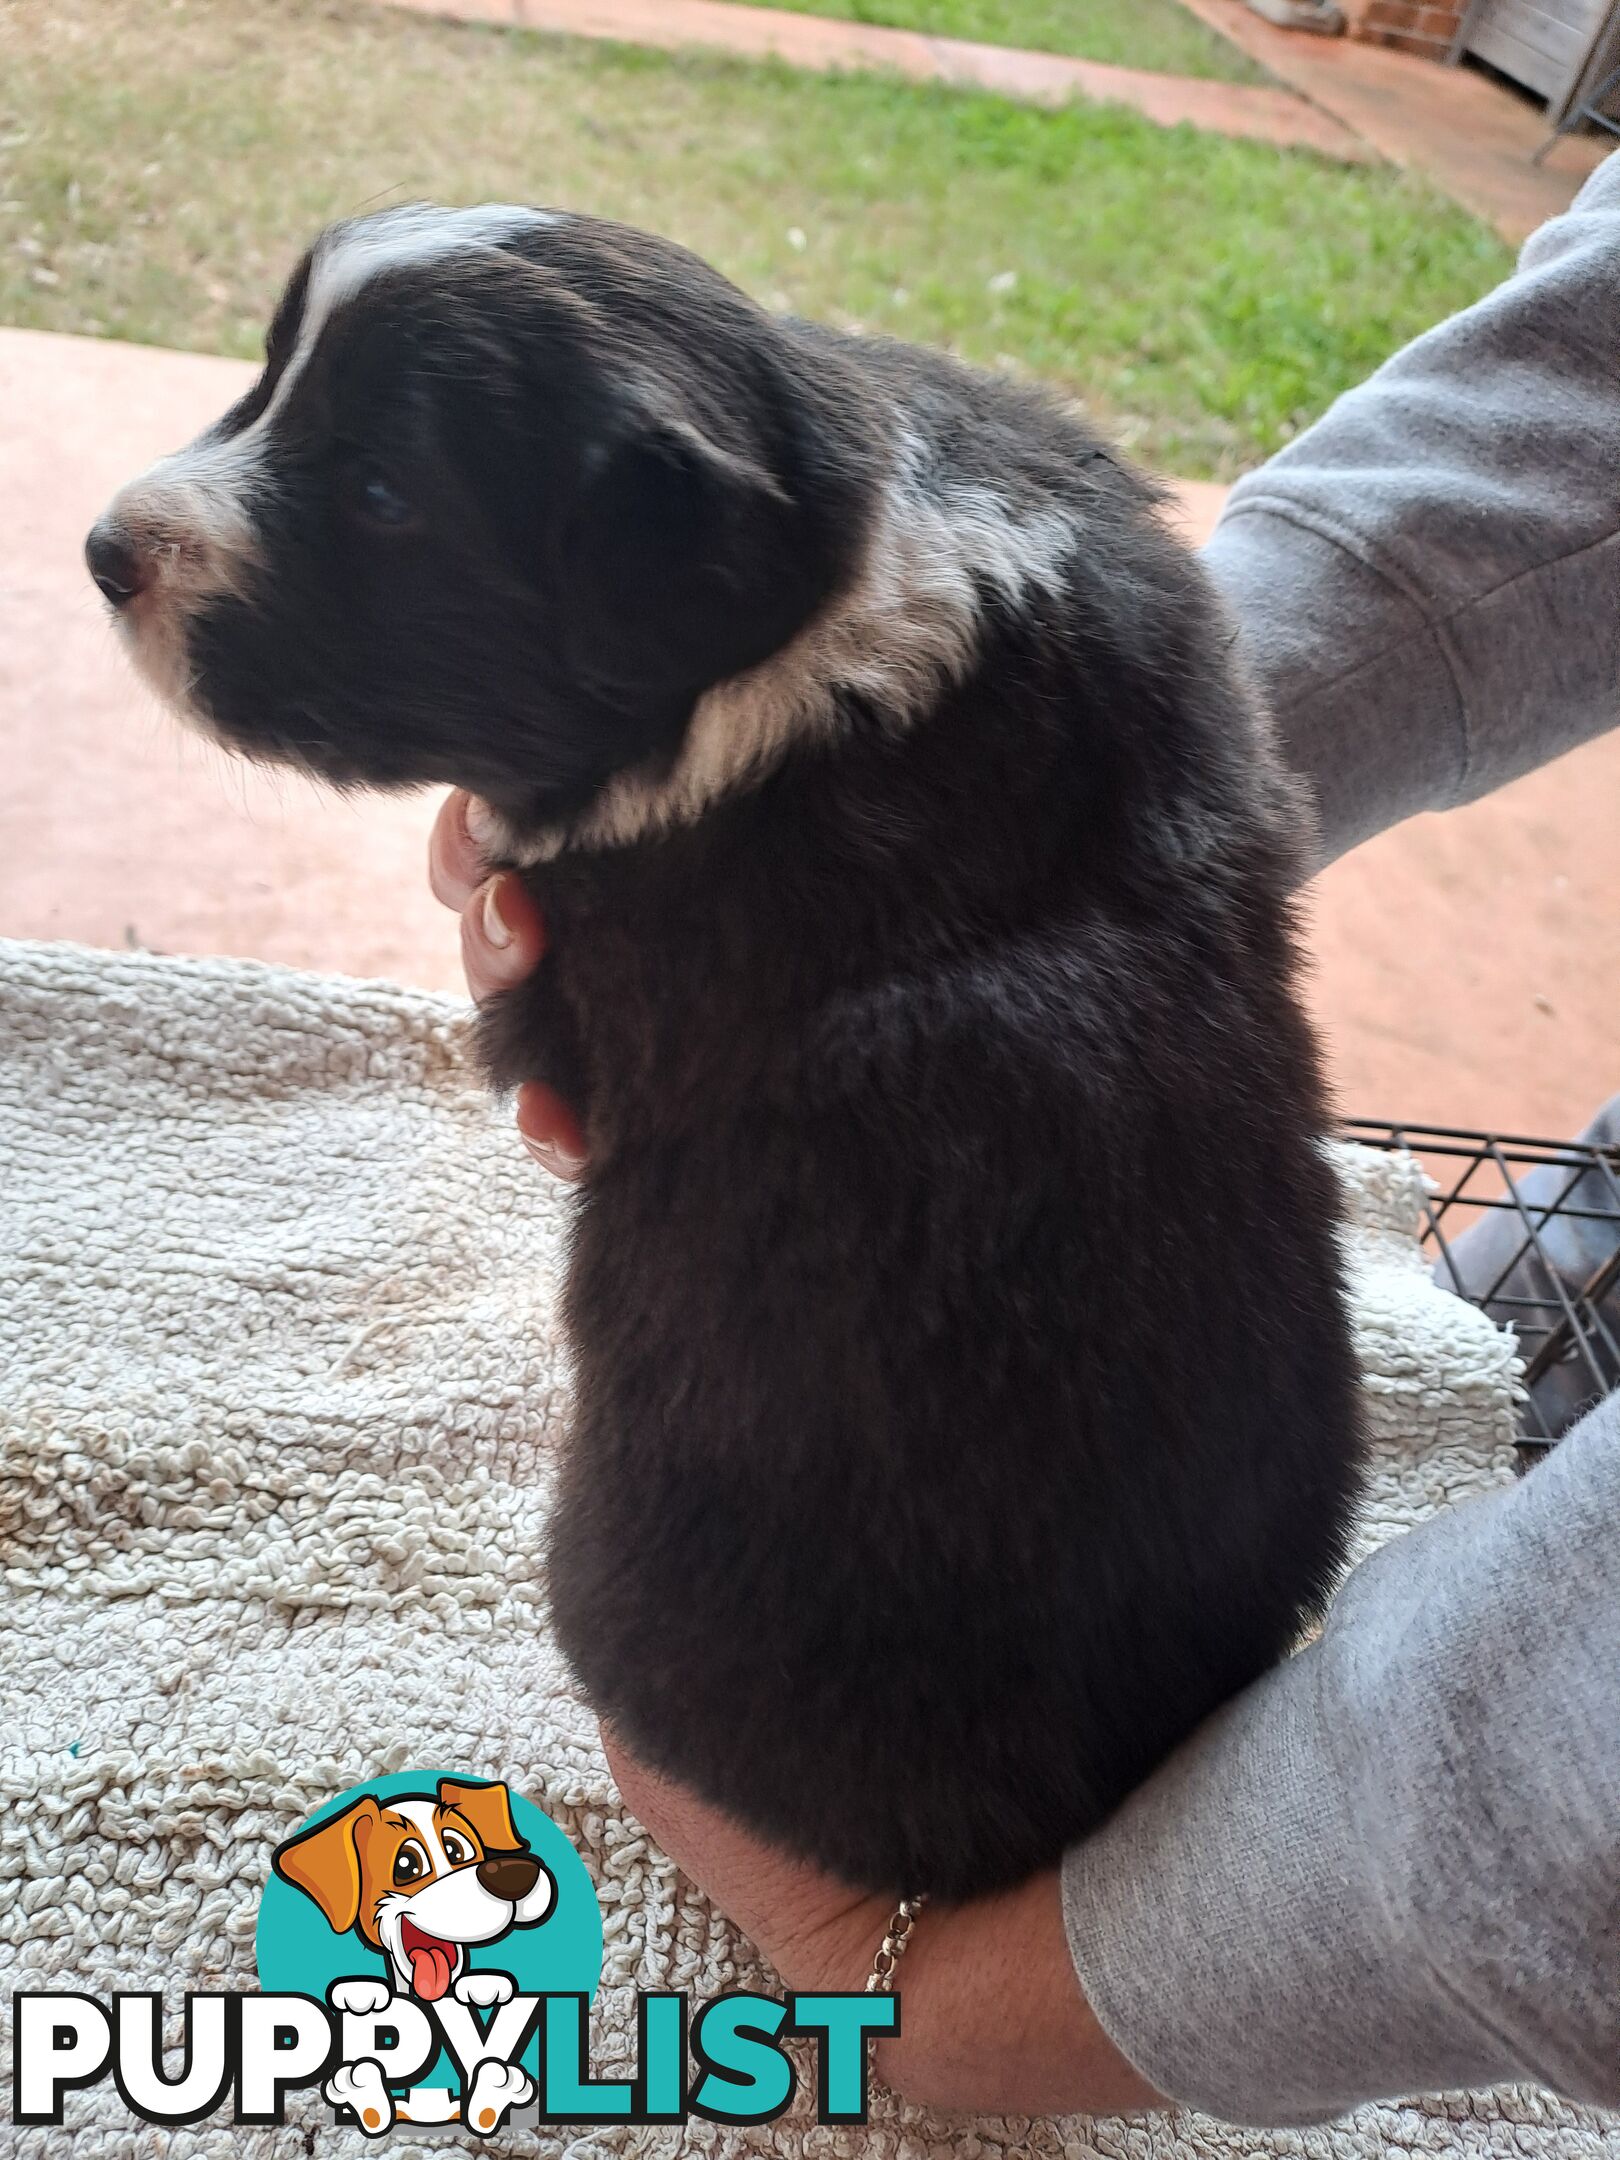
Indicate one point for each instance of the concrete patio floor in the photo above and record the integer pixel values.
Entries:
(1465, 967)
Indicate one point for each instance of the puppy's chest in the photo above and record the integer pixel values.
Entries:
(660, 1001)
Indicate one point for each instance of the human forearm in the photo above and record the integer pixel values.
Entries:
(1394, 1864)
(993, 2019)
(1427, 583)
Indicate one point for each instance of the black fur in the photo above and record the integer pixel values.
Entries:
(965, 1405)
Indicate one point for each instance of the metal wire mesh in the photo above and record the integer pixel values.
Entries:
(1528, 1230)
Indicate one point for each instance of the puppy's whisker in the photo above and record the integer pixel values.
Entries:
(395, 187)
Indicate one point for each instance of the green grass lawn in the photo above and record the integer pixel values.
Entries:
(162, 162)
(1156, 34)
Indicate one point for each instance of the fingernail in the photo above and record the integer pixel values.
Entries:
(553, 1158)
(497, 930)
(483, 827)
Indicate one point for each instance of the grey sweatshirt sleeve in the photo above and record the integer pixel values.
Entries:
(1427, 583)
(1393, 1866)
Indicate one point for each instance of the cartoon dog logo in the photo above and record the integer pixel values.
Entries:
(422, 1877)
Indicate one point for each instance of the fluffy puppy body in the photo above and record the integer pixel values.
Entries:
(965, 1404)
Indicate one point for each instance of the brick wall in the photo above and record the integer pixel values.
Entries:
(1415, 26)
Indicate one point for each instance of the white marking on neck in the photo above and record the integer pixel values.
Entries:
(908, 624)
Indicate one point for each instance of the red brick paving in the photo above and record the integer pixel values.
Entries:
(1261, 112)
(1465, 131)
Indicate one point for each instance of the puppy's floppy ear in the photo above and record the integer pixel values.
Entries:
(488, 1808)
(683, 557)
(325, 1862)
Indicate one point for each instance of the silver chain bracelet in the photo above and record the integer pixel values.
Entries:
(880, 1980)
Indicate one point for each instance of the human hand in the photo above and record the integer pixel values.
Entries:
(502, 941)
(994, 2020)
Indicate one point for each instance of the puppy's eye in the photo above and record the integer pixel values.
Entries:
(456, 1849)
(410, 1864)
(375, 499)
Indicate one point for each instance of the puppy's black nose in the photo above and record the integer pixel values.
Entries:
(116, 564)
(510, 1875)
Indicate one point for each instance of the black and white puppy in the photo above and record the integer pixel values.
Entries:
(965, 1402)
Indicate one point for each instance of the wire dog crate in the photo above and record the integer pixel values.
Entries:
(1528, 1230)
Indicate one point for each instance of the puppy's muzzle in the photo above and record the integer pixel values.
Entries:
(508, 1875)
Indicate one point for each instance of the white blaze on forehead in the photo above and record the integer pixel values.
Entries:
(416, 233)
(347, 259)
(192, 512)
(350, 256)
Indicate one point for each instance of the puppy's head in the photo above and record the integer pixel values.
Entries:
(513, 490)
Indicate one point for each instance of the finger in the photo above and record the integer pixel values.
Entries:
(550, 1131)
(458, 848)
(502, 935)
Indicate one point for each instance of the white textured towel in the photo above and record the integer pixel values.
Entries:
(279, 1400)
